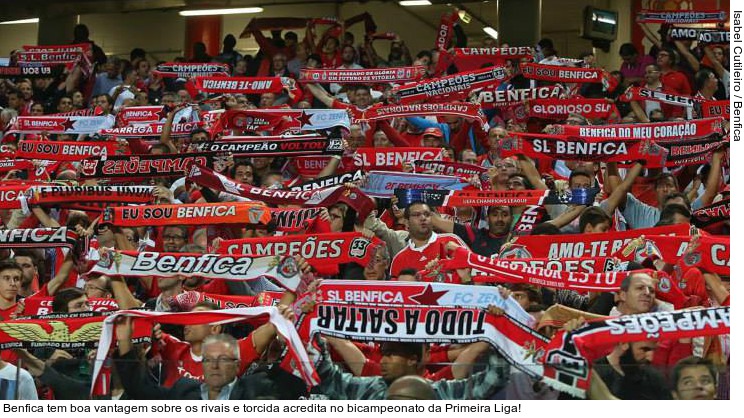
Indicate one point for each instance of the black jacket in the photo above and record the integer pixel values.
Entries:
(274, 383)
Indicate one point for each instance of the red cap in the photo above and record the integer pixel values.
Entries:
(433, 132)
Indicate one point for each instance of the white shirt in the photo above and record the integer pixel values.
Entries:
(24, 386)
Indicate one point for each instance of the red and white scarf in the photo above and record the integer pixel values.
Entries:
(562, 108)
(147, 165)
(496, 99)
(715, 108)
(680, 16)
(151, 130)
(392, 159)
(62, 124)
(449, 88)
(275, 146)
(243, 213)
(282, 120)
(66, 150)
(560, 74)
(640, 93)
(239, 85)
(38, 238)
(468, 111)
(191, 69)
(688, 129)
(363, 75)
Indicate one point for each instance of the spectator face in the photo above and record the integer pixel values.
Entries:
(362, 98)
(348, 55)
(522, 298)
(663, 59)
(393, 365)
(261, 162)
(431, 141)
(37, 109)
(197, 333)
(580, 182)
(643, 352)
(279, 62)
(516, 183)
(78, 100)
(356, 137)
(506, 168)
(330, 46)
(104, 104)
(112, 71)
(184, 96)
(652, 74)
(244, 174)
(336, 215)
(599, 228)
(143, 69)
(14, 101)
(469, 157)
(381, 140)
(220, 365)
(26, 90)
(664, 188)
(129, 233)
(240, 68)
(454, 123)
(79, 305)
(499, 221)
(695, 383)
(419, 221)
(199, 137)
(377, 266)
(629, 59)
(641, 295)
(96, 288)
(718, 53)
(10, 283)
(29, 269)
(267, 100)
(173, 240)
(711, 83)
(65, 105)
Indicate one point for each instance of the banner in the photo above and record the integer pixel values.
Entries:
(62, 124)
(569, 356)
(146, 165)
(448, 88)
(581, 245)
(680, 16)
(560, 74)
(480, 198)
(330, 181)
(188, 214)
(496, 99)
(323, 251)
(191, 69)
(282, 270)
(66, 151)
(275, 146)
(152, 130)
(282, 120)
(562, 108)
(444, 32)
(239, 85)
(590, 149)
(657, 131)
(700, 35)
(62, 331)
(381, 184)
(362, 75)
(323, 197)
(392, 159)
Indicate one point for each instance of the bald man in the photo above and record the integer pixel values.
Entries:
(410, 387)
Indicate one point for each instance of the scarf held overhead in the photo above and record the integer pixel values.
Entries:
(277, 146)
(62, 124)
(480, 198)
(560, 74)
(282, 120)
(65, 150)
(147, 165)
(681, 16)
(362, 76)
(381, 184)
(188, 214)
(448, 87)
(189, 69)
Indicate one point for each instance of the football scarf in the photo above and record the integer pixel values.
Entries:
(48, 55)
(468, 111)
(714, 108)
(640, 93)
(323, 197)
(10, 165)
(330, 181)
(531, 215)
(497, 99)
(151, 130)
(658, 131)
(481, 198)
(444, 32)
(96, 111)
(38, 238)
(65, 151)
(381, 184)
(37, 71)
(10, 194)
(282, 120)
(570, 264)
(582, 245)
(709, 252)
(560, 74)
(323, 251)
(275, 146)
(62, 124)
(559, 147)
(141, 114)
(185, 302)
(448, 88)
(452, 168)
(61, 331)
(293, 220)
(684, 151)
(704, 36)
(392, 159)
(712, 214)
(62, 195)
(472, 58)
(569, 355)
(490, 270)
(189, 69)
(43, 305)
(284, 328)
(239, 85)
(561, 108)
(188, 214)
(282, 270)
(362, 76)
(680, 16)
(147, 165)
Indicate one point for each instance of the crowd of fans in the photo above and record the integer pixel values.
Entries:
(240, 361)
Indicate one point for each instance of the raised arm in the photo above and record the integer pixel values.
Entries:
(60, 278)
(617, 198)
(714, 178)
(530, 171)
(320, 94)
(717, 66)
(165, 137)
(689, 57)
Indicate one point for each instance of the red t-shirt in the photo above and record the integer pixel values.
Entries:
(417, 258)
(179, 361)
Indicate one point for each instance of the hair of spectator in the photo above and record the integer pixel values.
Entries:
(593, 215)
(672, 209)
(10, 264)
(227, 339)
(26, 252)
(701, 77)
(677, 195)
(78, 218)
(545, 228)
(663, 176)
(527, 184)
(64, 296)
(579, 172)
(627, 50)
(184, 230)
(408, 272)
(407, 210)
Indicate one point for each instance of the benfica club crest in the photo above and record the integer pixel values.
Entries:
(287, 267)
(514, 251)
(60, 332)
(255, 214)
(403, 73)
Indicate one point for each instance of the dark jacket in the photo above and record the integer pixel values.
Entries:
(272, 383)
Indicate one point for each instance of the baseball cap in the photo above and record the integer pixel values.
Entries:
(434, 132)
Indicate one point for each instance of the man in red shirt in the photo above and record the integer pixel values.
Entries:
(425, 245)
(672, 80)
(10, 283)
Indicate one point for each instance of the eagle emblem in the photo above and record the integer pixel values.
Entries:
(60, 333)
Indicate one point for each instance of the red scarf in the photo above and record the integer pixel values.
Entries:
(712, 214)
(582, 245)
(658, 131)
(188, 214)
(560, 74)
(140, 114)
(714, 108)
(66, 151)
(276, 146)
(37, 71)
(680, 16)
(293, 219)
(559, 147)
(239, 85)
(468, 111)
(569, 356)
(63, 195)
(561, 108)
(152, 130)
(323, 251)
(146, 165)
(498, 99)
(10, 165)
(38, 238)
(96, 111)
(329, 181)
(362, 75)
(43, 305)
(449, 88)
(189, 69)
(392, 159)
(640, 93)
(473, 58)
(282, 120)
(186, 301)
(711, 253)
(444, 33)
(570, 264)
